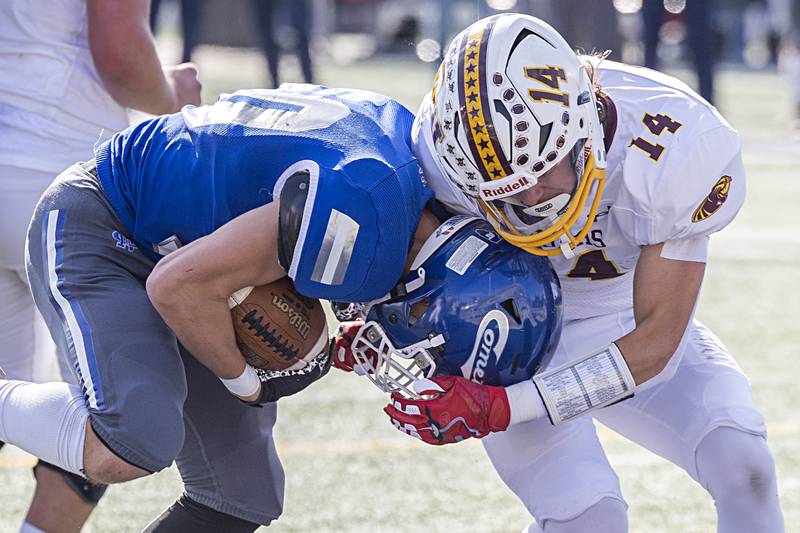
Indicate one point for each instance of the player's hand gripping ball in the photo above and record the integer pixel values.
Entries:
(276, 327)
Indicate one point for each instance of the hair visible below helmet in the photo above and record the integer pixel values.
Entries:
(511, 100)
(473, 305)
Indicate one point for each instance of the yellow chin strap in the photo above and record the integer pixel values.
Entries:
(593, 178)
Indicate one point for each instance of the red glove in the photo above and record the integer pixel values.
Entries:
(458, 409)
(343, 358)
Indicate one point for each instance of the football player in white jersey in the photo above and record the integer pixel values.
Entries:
(619, 174)
(70, 68)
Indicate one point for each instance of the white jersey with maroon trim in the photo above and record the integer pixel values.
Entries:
(674, 175)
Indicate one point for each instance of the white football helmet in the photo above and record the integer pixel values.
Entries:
(511, 99)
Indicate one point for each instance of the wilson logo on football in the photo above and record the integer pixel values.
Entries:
(714, 200)
(296, 319)
(490, 341)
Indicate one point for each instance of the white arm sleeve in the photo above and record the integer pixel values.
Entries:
(694, 249)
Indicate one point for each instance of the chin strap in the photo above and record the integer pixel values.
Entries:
(557, 239)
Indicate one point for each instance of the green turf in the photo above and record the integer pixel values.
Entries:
(349, 470)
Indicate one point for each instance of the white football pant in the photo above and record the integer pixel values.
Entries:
(26, 350)
(560, 472)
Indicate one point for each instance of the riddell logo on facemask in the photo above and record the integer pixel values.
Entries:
(505, 190)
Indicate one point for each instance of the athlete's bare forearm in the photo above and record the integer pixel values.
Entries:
(190, 287)
(664, 295)
(198, 317)
(125, 56)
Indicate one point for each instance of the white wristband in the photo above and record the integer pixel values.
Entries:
(245, 385)
(595, 381)
(524, 402)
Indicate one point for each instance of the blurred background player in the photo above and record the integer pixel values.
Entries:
(698, 29)
(299, 12)
(190, 19)
(790, 57)
(70, 70)
(271, 38)
(577, 20)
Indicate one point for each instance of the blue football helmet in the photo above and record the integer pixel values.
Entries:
(472, 305)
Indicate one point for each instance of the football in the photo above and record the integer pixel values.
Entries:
(276, 327)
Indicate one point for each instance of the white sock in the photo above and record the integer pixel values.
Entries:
(47, 420)
(29, 528)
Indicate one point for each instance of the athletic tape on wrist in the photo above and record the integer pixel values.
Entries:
(524, 402)
(245, 385)
(593, 382)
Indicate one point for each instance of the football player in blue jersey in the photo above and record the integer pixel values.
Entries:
(131, 259)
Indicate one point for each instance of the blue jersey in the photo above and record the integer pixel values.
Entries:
(176, 178)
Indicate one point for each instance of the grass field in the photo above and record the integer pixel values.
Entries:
(349, 470)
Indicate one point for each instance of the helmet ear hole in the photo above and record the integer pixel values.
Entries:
(511, 308)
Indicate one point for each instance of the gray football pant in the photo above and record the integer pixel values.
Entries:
(150, 401)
